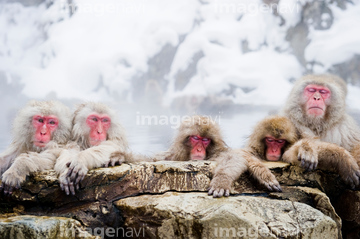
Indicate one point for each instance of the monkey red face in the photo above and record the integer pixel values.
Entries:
(273, 148)
(99, 125)
(198, 147)
(44, 127)
(316, 98)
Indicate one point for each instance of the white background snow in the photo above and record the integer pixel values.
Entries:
(95, 54)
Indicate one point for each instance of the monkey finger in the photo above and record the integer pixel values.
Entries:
(77, 180)
(316, 164)
(71, 188)
(303, 162)
(311, 166)
(221, 192)
(215, 194)
(278, 188)
(67, 190)
(6, 189)
(211, 190)
(11, 189)
(74, 175)
(70, 170)
(227, 193)
(355, 179)
(62, 186)
(80, 177)
(268, 186)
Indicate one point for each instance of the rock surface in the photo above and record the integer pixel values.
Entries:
(41, 227)
(100, 201)
(197, 215)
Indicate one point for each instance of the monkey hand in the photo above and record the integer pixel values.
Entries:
(307, 155)
(11, 180)
(116, 157)
(65, 183)
(220, 186)
(76, 173)
(350, 173)
(270, 182)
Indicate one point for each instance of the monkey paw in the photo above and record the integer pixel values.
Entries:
(220, 186)
(269, 181)
(308, 156)
(117, 157)
(10, 181)
(273, 185)
(351, 176)
(76, 173)
(65, 183)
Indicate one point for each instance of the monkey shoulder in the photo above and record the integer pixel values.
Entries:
(345, 133)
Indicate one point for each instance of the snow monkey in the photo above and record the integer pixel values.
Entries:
(271, 137)
(40, 129)
(96, 135)
(316, 106)
(199, 138)
(275, 138)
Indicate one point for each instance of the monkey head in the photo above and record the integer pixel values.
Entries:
(198, 138)
(40, 122)
(272, 137)
(317, 98)
(94, 123)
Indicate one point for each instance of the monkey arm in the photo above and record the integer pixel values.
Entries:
(312, 154)
(61, 167)
(25, 164)
(335, 158)
(231, 165)
(355, 152)
(7, 157)
(94, 157)
(304, 152)
(129, 157)
(261, 173)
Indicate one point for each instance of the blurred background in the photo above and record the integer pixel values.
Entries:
(232, 60)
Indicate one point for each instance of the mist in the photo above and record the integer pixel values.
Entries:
(234, 61)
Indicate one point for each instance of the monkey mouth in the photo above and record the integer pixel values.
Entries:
(40, 144)
(96, 142)
(272, 158)
(316, 107)
(197, 158)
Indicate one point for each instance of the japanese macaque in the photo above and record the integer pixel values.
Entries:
(199, 138)
(275, 138)
(271, 137)
(40, 130)
(316, 106)
(96, 136)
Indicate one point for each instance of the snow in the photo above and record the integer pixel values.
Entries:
(97, 52)
(337, 44)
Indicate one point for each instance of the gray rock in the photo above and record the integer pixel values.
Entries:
(41, 227)
(197, 215)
